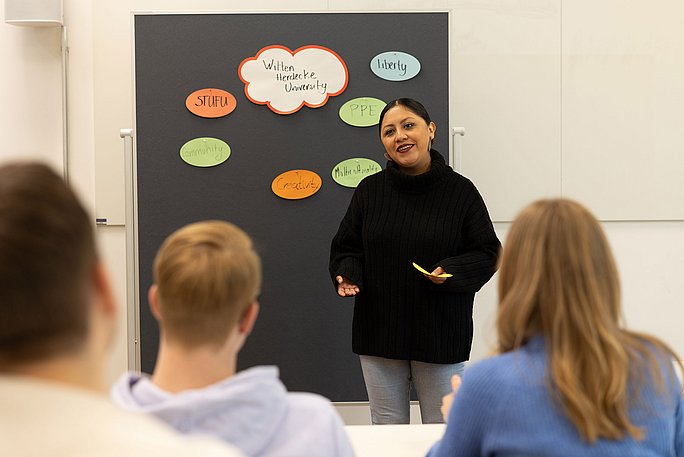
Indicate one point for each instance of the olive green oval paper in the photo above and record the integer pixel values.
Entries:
(362, 111)
(205, 152)
(350, 172)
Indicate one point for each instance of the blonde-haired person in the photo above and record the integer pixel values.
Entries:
(207, 279)
(569, 379)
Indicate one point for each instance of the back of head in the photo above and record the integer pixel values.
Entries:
(557, 276)
(558, 279)
(207, 273)
(47, 254)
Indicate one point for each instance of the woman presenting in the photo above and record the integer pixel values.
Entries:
(412, 328)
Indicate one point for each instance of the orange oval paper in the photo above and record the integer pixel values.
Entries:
(210, 103)
(296, 184)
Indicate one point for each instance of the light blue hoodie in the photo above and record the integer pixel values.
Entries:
(251, 410)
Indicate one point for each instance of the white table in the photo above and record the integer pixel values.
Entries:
(393, 440)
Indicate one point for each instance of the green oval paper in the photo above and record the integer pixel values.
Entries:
(205, 152)
(362, 111)
(350, 172)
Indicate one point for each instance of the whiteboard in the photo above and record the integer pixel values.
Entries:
(623, 108)
(579, 99)
(304, 327)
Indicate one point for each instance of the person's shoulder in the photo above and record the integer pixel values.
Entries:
(266, 379)
(91, 423)
(312, 427)
(508, 369)
(314, 409)
(143, 435)
(491, 367)
(310, 404)
(463, 183)
(121, 391)
(137, 434)
(656, 356)
(655, 347)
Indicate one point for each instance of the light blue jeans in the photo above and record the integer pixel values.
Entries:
(389, 381)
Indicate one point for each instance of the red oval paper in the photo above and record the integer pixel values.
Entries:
(296, 184)
(210, 103)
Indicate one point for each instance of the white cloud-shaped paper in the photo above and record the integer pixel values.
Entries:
(286, 80)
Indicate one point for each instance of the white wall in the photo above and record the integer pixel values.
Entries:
(100, 103)
(31, 81)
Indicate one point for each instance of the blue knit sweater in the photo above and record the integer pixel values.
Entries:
(503, 408)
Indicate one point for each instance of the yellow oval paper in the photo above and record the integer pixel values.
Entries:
(427, 273)
(362, 111)
(296, 184)
(205, 152)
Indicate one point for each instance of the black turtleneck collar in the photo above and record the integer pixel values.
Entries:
(416, 184)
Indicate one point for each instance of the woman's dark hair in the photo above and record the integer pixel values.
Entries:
(412, 105)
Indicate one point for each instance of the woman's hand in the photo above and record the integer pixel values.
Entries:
(434, 279)
(448, 399)
(346, 288)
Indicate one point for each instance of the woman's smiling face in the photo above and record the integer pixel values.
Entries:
(406, 137)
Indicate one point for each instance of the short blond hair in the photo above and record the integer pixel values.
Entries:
(207, 273)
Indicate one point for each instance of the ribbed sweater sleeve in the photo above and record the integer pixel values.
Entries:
(346, 250)
(473, 268)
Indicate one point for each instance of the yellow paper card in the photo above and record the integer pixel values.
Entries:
(427, 273)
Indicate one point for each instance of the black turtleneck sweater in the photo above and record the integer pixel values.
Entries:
(435, 219)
